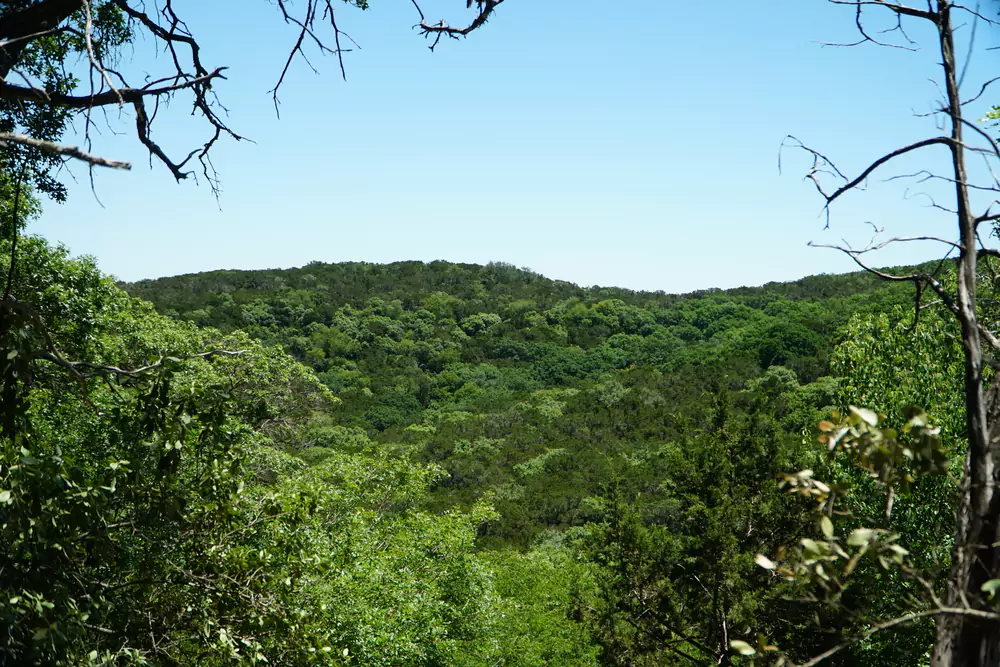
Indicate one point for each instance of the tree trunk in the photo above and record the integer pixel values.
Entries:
(962, 641)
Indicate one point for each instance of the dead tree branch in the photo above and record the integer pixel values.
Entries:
(902, 620)
(8, 138)
(484, 10)
(74, 22)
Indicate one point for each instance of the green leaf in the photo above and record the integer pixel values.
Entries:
(810, 546)
(868, 416)
(827, 527)
(991, 587)
(742, 647)
(860, 537)
(4, 496)
(765, 562)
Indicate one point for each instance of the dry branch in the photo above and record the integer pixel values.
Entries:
(186, 75)
(484, 10)
(902, 620)
(8, 138)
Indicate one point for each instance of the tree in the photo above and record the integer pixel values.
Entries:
(183, 515)
(148, 512)
(967, 627)
(40, 94)
(673, 557)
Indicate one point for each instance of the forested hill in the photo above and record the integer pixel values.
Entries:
(630, 441)
(492, 285)
(489, 369)
(439, 314)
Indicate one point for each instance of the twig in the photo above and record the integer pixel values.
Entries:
(908, 618)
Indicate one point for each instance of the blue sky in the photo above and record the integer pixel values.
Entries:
(630, 144)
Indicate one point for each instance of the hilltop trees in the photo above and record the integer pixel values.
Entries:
(176, 496)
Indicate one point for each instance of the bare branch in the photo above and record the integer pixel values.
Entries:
(918, 279)
(36, 35)
(865, 37)
(306, 29)
(899, 9)
(9, 91)
(7, 138)
(95, 62)
(854, 254)
(993, 143)
(923, 175)
(485, 9)
(902, 620)
(822, 165)
(933, 203)
(46, 18)
(103, 369)
(905, 239)
(419, 11)
(976, 13)
(947, 141)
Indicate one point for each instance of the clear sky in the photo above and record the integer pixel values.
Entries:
(616, 143)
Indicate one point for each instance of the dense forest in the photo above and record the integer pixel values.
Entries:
(533, 393)
(632, 441)
(444, 464)
(453, 465)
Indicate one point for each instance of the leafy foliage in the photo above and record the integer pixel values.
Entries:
(158, 516)
(532, 473)
(642, 432)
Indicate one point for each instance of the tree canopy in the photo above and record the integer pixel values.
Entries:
(452, 464)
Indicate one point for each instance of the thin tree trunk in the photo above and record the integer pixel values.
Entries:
(962, 641)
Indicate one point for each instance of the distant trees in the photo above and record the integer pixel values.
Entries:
(171, 495)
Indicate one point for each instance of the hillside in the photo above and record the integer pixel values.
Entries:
(639, 434)
(355, 282)
(494, 371)
(473, 466)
